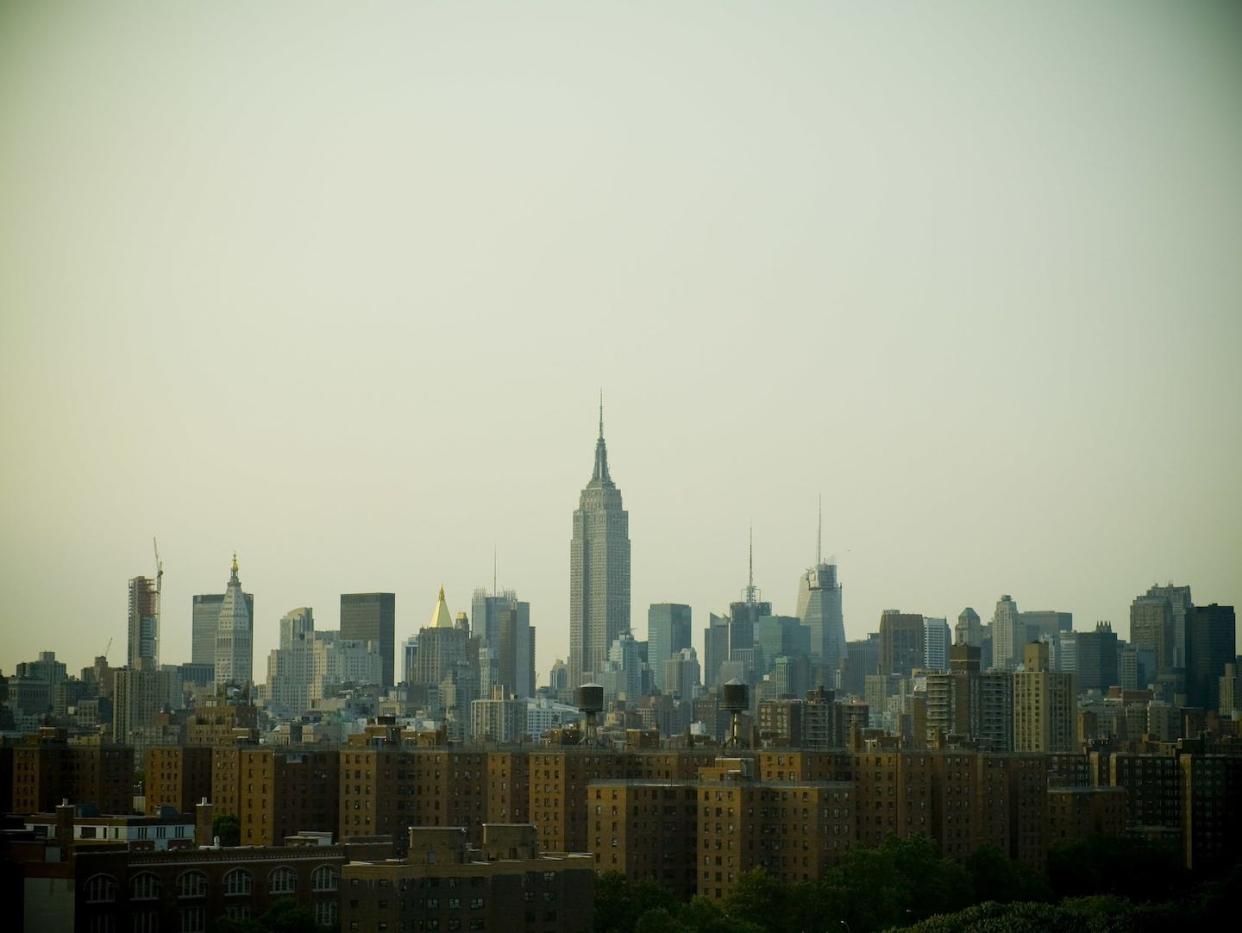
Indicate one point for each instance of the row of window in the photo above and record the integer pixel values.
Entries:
(103, 889)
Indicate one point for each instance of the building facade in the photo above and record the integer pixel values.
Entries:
(372, 617)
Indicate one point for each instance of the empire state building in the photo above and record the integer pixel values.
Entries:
(599, 570)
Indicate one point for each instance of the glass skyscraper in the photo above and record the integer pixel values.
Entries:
(668, 632)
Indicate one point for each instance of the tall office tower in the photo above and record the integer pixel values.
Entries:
(204, 622)
(936, 641)
(681, 674)
(1008, 634)
(715, 648)
(409, 654)
(296, 625)
(1211, 632)
(1179, 600)
(1044, 705)
(599, 570)
(291, 667)
(621, 675)
(1151, 629)
(1097, 656)
(862, 657)
(234, 636)
(969, 629)
(780, 636)
(901, 642)
(1045, 624)
(668, 632)
(819, 608)
(743, 615)
(515, 650)
(1067, 653)
(144, 621)
(138, 692)
(501, 625)
(441, 646)
(558, 677)
(372, 617)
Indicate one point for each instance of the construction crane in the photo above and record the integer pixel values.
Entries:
(107, 648)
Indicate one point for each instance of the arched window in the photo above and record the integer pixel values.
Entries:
(144, 886)
(101, 889)
(192, 884)
(282, 880)
(238, 881)
(324, 878)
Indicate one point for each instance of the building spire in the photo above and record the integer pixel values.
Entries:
(750, 564)
(819, 533)
(600, 475)
(234, 563)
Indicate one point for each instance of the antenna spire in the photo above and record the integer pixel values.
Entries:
(493, 570)
(819, 533)
(601, 413)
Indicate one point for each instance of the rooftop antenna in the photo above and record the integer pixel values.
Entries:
(493, 571)
(750, 575)
(601, 411)
(819, 534)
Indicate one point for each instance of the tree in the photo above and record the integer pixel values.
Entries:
(227, 828)
(994, 876)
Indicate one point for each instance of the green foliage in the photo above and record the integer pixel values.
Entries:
(1128, 868)
(285, 916)
(996, 877)
(227, 828)
(619, 903)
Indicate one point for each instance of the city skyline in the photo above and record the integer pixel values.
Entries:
(559, 650)
(971, 277)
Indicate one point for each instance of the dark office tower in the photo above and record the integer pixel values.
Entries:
(715, 648)
(1211, 632)
(743, 615)
(372, 617)
(862, 657)
(514, 648)
(144, 621)
(1151, 629)
(1179, 599)
(1097, 657)
(599, 570)
(901, 642)
(668, 632)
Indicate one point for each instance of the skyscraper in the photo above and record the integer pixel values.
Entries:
(819, 608)
(205, 619)
(668, 633)
(372, 617)
(969, 629)
(715, 648)
(1211, 633)
(901, 642)
(1008, 634)
(144, 621)
(1095, 658)
(599, 570)
(936, 641)
(1179, 600)
(743, 615)
(1151, 629)
(1044, 706)
(234, 636)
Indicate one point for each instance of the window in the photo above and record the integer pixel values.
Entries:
(192, 884)
(145, 922)
(325, 913)
(238, 881)
(101, 889)
(103, 924)
(324, 878)
(144, 887)
(237, 911)
(282, 881)
(193, 919)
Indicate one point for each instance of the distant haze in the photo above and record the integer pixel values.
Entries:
(336, 286)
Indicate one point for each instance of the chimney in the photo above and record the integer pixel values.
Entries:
(202, 823)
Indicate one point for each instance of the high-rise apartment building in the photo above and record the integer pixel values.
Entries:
(599, 570)
(144, 621)
(234, 636)
(1008, 634)
(1211, 634)
(936, 642)
(372, 617)
(1044, 705)
(668, 633)
(901, 642)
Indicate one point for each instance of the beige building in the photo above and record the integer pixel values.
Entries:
(1044, 705)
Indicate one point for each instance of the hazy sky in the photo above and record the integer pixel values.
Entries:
(336, 285)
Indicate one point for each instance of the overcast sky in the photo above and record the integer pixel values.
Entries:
(336, 286)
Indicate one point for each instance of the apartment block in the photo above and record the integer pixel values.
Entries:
(648, 830)
(176, 776)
